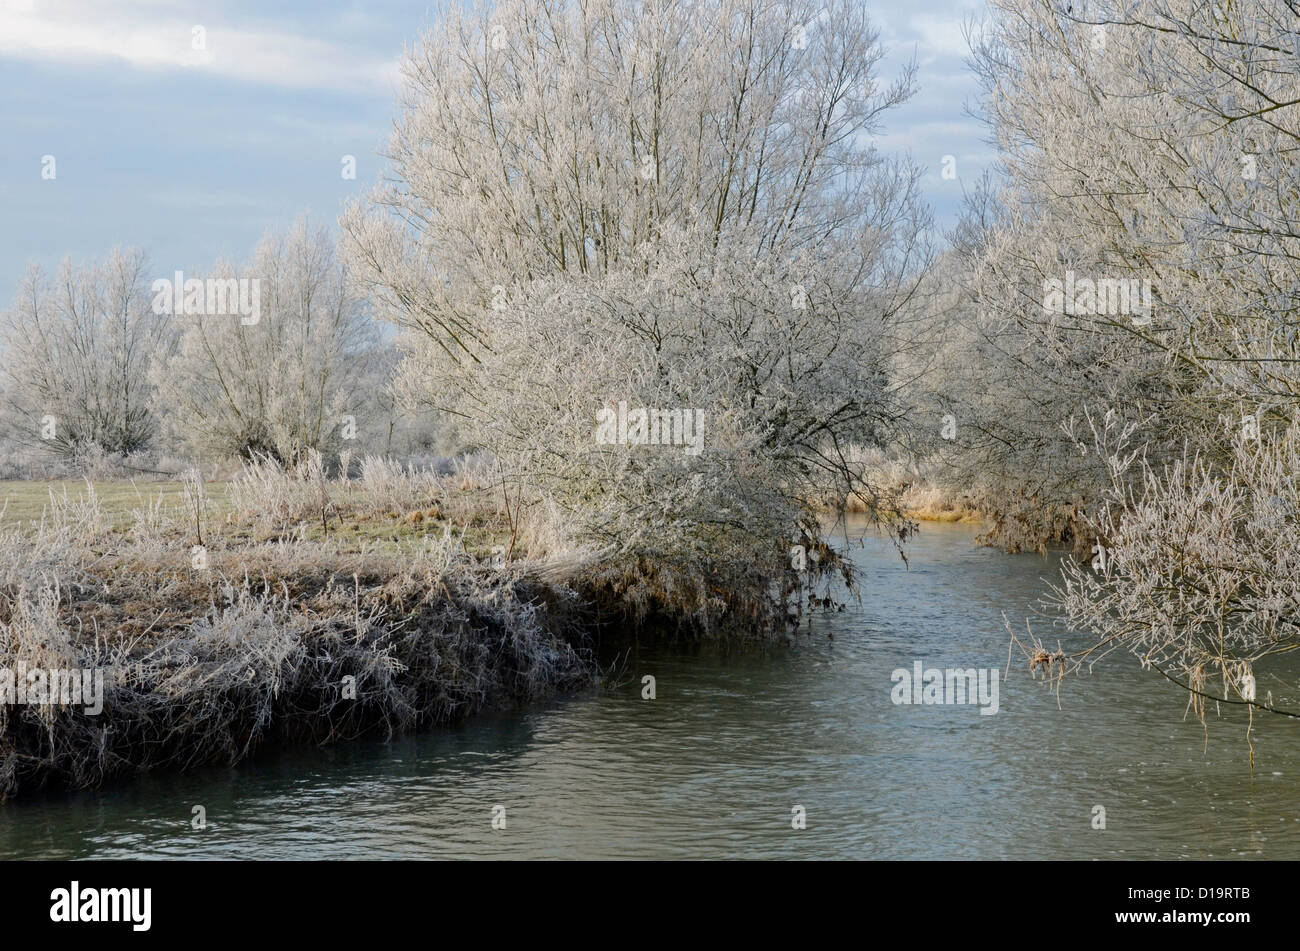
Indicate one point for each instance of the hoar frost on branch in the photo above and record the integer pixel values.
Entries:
(675, 205)
(1154, 141)
(282, 386)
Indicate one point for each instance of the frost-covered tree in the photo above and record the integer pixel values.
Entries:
(675, 207)
(1145, 149)
(1197, 570)
(1146, 144)
(293, 380)
(75, 353)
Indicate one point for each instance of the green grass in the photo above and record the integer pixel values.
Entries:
(26, 502)
(23, 503)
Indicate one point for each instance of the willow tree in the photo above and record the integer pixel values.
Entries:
(668, 206)
(292, 380)
(1153, 141)
(75, 357)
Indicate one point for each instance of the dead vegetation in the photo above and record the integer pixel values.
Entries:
(221, 627)
(301, 605)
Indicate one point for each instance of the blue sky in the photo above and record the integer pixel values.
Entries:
(194, 154)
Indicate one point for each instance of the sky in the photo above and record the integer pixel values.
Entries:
(194, 154)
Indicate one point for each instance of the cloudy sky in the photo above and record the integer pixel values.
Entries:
(194, 154)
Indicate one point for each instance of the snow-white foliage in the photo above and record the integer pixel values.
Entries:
(1147, 140)
(672, 205)
(282, 385)
(76, 353)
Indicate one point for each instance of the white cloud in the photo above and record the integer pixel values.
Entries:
(149, 37)
(941, 36)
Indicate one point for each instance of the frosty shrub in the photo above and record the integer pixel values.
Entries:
(1133, 272)
(1137, 253)
(1196, 571)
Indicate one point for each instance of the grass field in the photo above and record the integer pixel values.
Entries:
(354, 519)
(280, 603)
(27, 502)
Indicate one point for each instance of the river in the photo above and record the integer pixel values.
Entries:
(735, 740)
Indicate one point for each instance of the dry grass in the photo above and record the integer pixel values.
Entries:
(922, 491)
(234, 612)
(304, 582)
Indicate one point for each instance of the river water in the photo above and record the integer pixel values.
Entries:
(735, 740)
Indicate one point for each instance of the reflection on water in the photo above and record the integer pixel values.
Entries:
(735, 739)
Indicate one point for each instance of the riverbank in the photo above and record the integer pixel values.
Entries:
(202, 621)
(922, 491)
(212, 619)
(736, 737)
